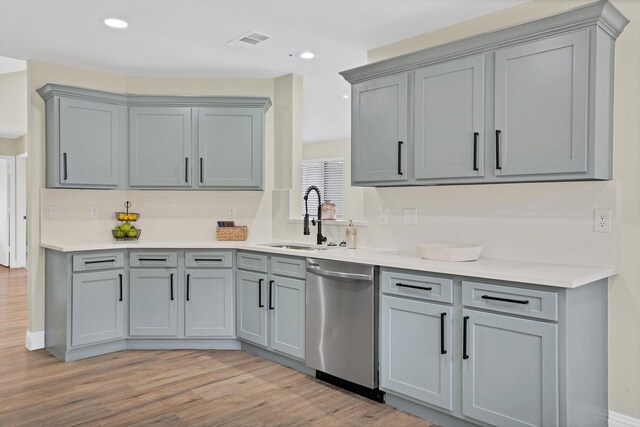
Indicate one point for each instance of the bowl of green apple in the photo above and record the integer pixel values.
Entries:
(126, 231)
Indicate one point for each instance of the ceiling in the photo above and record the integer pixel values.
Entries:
(189, 38)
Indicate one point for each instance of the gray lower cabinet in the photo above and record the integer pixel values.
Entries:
(462, 351)
(97, 307)
(287, 315)
(208, 308)
(230, 147)
(532, 102)
(379, 128)
(252, 314)
(153, 302)
(510, 370)
(449, 119)
(270, 306)
(541, 106)
(86, 139)
(160, 146)
(416, 357)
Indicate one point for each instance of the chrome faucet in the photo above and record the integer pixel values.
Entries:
(319, 238)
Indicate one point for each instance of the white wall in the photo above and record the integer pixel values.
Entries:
(527, 215)
(13, 102)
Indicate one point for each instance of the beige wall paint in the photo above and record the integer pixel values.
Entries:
(624, 289)
(13, 147)
(256, 206)
(13, 101)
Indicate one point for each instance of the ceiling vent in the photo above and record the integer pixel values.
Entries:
(249, 40)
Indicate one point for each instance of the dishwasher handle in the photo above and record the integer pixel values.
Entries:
(338, 274)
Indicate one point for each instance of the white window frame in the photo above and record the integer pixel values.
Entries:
(327, 181)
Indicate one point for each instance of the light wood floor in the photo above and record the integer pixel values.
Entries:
(172, 388)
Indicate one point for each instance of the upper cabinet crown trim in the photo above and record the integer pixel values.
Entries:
(51, 89)
(602, 13)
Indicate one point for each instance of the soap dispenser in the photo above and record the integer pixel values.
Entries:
(352, 235)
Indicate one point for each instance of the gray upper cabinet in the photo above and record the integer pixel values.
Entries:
(104, 140)
(541, 106)
(533, 102)
(97, 308)
(379, 125)
(86, 138)
(160, 146)
(449, 119)
(510, 370)
(230, 147)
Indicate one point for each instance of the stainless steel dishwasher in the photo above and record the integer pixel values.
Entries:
(342, 325)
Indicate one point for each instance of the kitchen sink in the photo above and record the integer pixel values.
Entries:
(288, 246)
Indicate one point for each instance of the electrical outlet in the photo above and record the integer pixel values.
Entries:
(53, 212)
(93, 211)
(231, 212)
(382, 215)
(410, 216)
(602, 220)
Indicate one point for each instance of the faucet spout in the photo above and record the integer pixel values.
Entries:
(319, 237)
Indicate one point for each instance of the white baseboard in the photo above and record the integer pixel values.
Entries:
(617, 419)
(35, 340)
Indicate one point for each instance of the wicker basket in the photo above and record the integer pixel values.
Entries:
(232, 233)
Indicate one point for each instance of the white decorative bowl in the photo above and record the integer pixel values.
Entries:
(449, 252)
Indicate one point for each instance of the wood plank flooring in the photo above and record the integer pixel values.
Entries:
(172, 388)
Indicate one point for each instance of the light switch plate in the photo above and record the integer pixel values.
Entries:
(93, 212)
(410, 216)
(382, 215)
(53, 212)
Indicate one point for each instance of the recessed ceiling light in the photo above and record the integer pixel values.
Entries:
(115, 23)
(307, 55)
(345, 96)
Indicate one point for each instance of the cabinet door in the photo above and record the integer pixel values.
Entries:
(541, 106)
(209, 303)
(416, 358)
(251, 323)
(286, 304)
(379, 130)
(97, 307)
(153, 302)
(510, 377)
(449, 119)
(89, 143)
(160, 146)
(230, 147)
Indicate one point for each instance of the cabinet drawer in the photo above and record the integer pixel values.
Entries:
(251, 261)
(98, 261)
(208, 259)
(153, 259)
(293, 267)
(508, 299)
(417, 285)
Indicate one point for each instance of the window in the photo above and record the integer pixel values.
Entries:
(327, 175)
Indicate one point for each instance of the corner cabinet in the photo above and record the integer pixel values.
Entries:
(103, 140)
(86, 134)
(271, 302)
(529, 103)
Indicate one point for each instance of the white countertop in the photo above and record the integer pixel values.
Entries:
(557, 275)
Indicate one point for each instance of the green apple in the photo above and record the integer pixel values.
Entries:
(119, 233)
(125, 227)
(132, 233)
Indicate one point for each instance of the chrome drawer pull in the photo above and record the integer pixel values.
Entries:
(515, 301)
